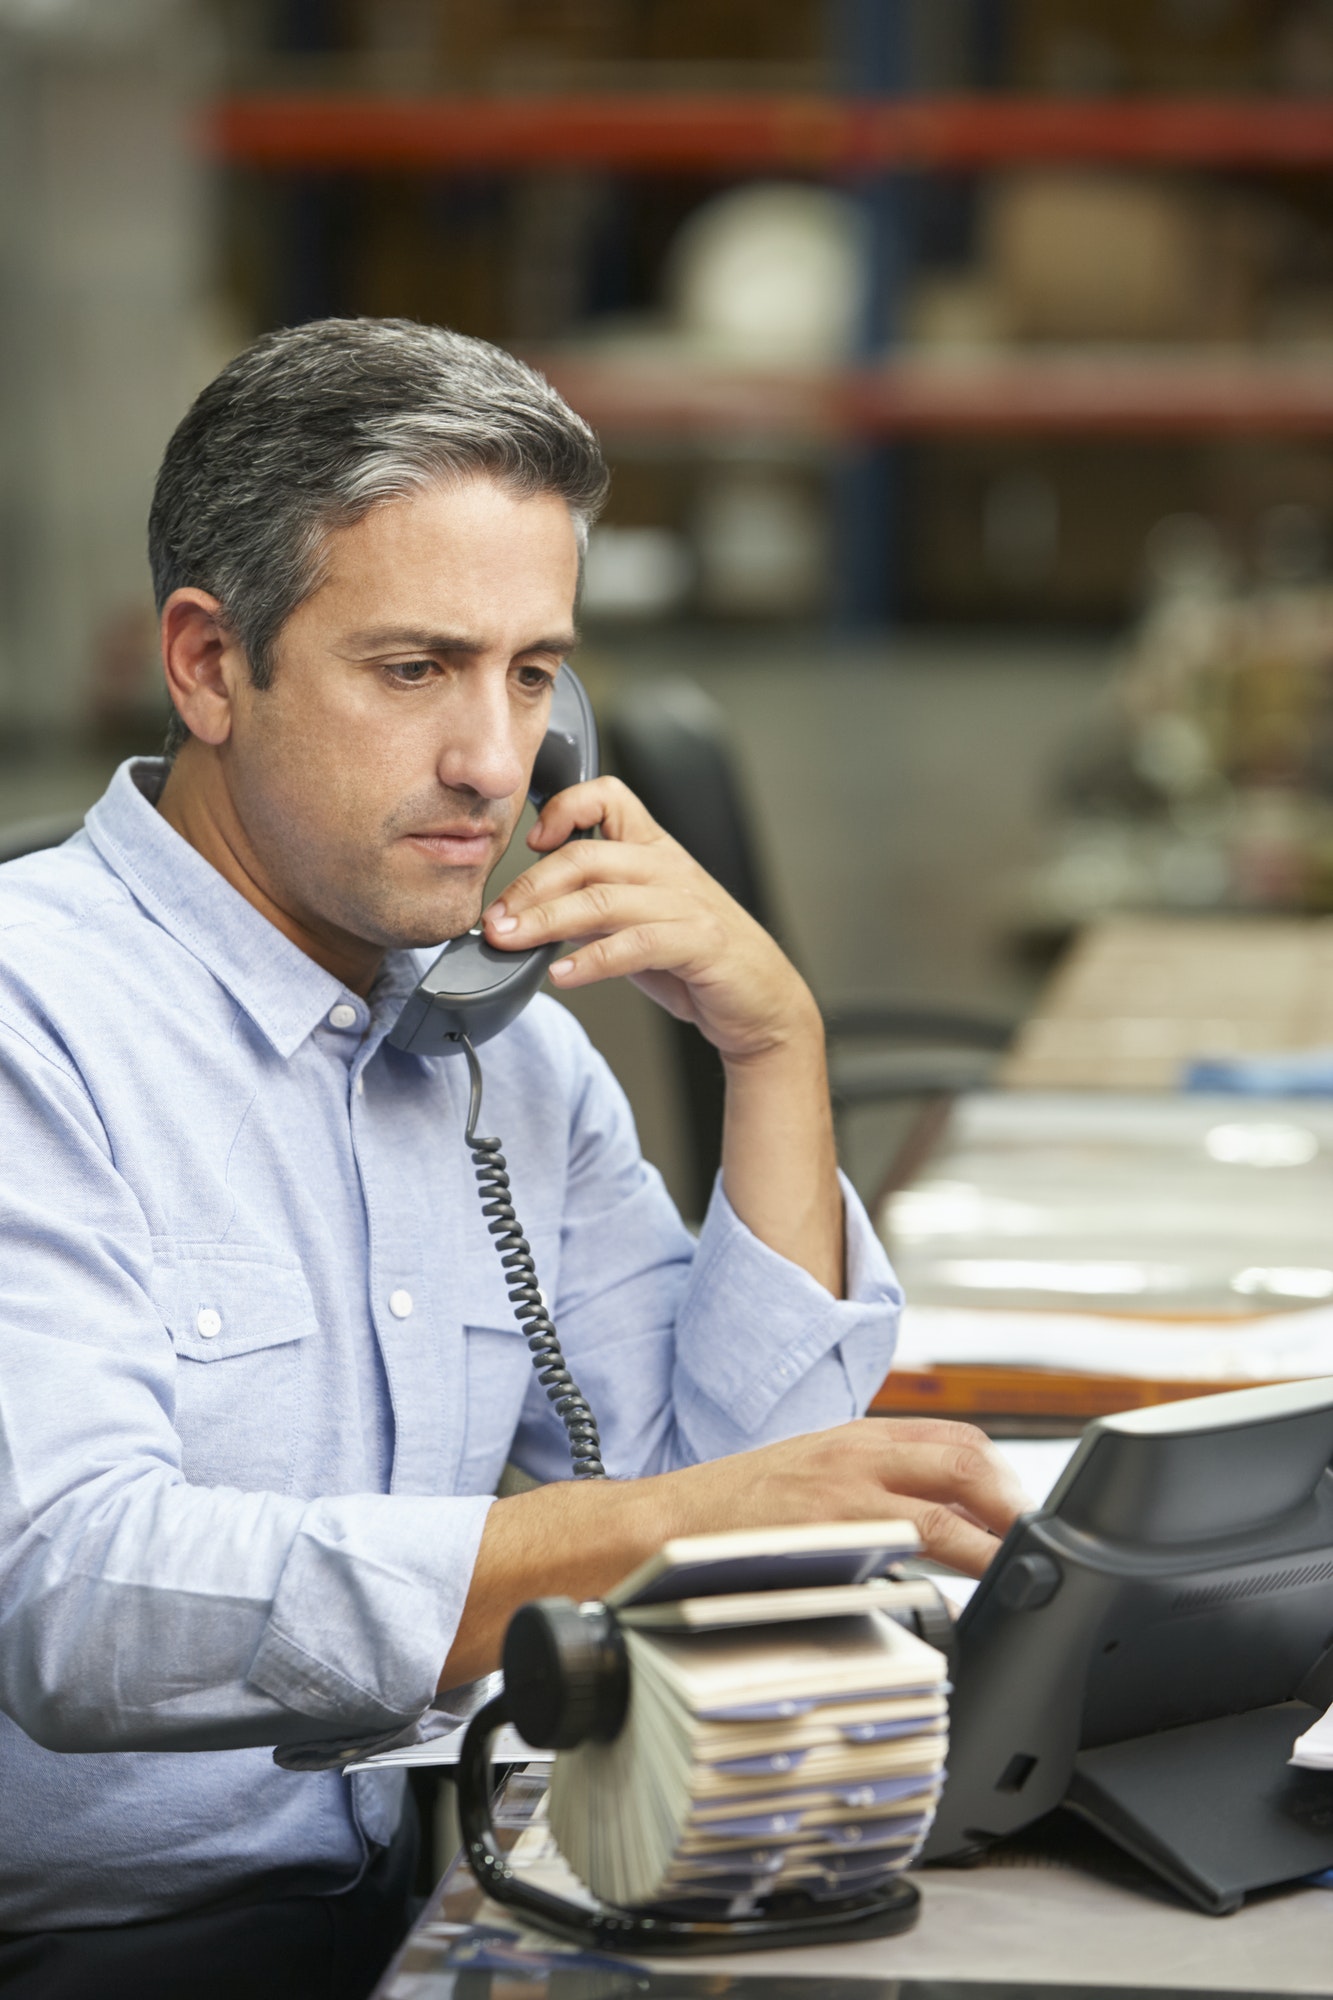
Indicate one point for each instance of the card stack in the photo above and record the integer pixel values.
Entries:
(785, 1731)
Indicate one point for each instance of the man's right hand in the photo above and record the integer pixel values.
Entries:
(579, 1538)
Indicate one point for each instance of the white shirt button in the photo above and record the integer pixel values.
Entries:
(342, 1016)
(208, 1323)
(400, 1303)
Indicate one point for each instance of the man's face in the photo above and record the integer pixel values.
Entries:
(380, 776)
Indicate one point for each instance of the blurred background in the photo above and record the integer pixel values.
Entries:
(965, 366)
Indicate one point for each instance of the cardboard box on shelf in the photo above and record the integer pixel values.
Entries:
(1093, 255)
(419, 252)
(1042, 528)
(1106, 45)
(958, 310)
(546, 44)
(469, 44)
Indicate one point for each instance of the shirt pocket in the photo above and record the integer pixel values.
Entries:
(498, 1371)
(238, 1319)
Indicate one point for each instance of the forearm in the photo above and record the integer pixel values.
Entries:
(579, 1538)
(575, 1538)
(779, 1160)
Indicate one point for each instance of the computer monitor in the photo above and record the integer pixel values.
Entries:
(1148, 1644)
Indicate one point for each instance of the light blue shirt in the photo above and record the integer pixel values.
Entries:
(259, 1373)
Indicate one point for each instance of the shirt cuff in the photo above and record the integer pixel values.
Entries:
(365, 1612)
(447, 1713)
(754, 1327)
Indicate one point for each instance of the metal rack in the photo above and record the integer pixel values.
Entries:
(874, 137)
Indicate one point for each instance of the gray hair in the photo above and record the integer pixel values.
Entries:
(312, 426)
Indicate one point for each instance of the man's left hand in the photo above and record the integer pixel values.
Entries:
(642, 908)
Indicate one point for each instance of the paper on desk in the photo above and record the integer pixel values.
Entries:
(1272, 1347)
(1314, 1750)
(509, 1748)
(1038, 1462)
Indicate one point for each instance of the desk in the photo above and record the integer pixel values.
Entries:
(1089, 1161)
(1137, 997)
(1035, 1917)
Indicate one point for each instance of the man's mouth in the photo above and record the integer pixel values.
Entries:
(458, 847)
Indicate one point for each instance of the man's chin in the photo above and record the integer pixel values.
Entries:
(419, 928)
(424, 936)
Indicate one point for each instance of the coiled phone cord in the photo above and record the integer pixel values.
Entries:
(572, 1407)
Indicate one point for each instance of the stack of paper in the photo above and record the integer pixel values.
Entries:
(771, 1743)
(1270, 1348)
(1314, 1750)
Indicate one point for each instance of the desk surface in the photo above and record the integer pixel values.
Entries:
(1074, 1916)
(1136, 998)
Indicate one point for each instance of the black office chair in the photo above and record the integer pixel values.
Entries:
(29, 836)
(668, 741)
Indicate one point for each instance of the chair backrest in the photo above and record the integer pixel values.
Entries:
(670, 745)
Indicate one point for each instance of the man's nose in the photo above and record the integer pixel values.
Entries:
(481, 752)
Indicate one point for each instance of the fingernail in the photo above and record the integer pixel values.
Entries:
(504, 924)
(561, 967)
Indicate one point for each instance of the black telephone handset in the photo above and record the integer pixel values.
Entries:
(470, 993)
(472, 989)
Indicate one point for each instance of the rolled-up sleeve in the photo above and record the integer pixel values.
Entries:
(691, 1349)
(139, 1611)
(763, 1350)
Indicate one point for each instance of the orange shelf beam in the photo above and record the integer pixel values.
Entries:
(1191, 394)
(703, 133)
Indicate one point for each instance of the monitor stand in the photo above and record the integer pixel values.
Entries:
(1213, 1807)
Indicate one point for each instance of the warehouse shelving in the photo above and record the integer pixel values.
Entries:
(1188, 394)
(874, 139)
(1182, 393)
(650, 132)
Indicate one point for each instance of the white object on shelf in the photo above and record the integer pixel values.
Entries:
(635, 572)
(772, 272)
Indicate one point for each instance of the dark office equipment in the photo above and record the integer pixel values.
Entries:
(669, 743)
(1146, 1647)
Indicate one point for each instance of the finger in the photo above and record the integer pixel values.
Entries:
(949, 1431)
(603, 802)
(946, 1537)
(664, 946)
(968, 1474)
(580, 862)
(593, 911)
(926, 1430)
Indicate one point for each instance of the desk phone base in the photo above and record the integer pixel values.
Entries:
(1213, 1808)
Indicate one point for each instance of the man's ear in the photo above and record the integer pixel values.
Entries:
(202, 662)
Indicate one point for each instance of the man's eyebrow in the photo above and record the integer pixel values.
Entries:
(387, 638)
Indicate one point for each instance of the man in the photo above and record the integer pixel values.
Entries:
(259, 1374)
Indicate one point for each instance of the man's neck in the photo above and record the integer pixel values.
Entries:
(196, 802)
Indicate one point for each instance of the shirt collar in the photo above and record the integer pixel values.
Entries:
(285, 993)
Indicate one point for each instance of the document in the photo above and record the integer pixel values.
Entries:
(1314, 1750)
(1272, 1347)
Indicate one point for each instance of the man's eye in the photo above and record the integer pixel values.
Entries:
(536, 678)
(411, 671)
